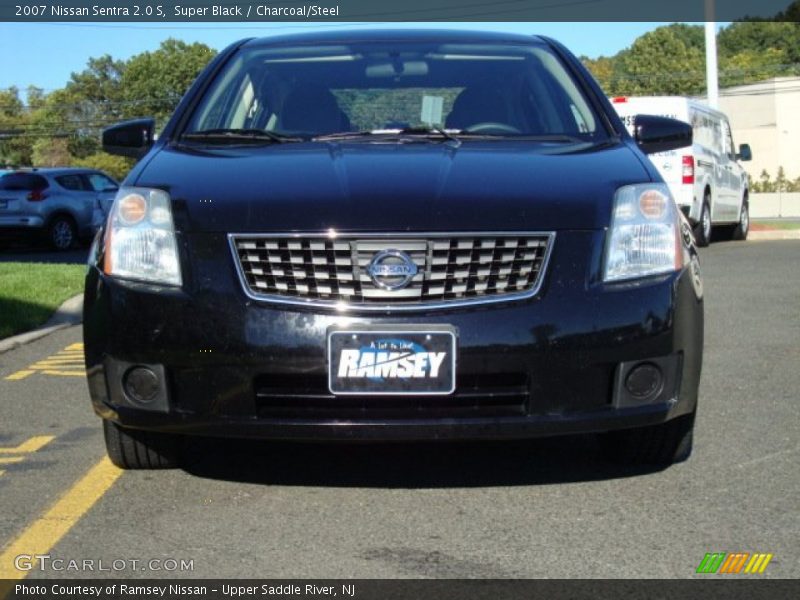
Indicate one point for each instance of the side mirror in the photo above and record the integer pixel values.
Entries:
(660, 134)
(130, 138)
(745, 153)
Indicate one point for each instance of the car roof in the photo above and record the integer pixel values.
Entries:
(55, 171)
(396, 35)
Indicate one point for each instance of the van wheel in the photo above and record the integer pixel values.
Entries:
(137, 449)
(663, 444)
(62, 233)
(702, 231)
(741, 229)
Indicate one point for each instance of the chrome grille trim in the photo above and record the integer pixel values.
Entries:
(295, 260)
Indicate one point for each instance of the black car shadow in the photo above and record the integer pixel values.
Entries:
(30, 253)
(408, 465)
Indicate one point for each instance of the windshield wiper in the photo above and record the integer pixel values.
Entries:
(427, 131)
(240, 135)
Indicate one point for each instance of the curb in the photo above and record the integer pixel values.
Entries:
(68, 314)
(774, 234)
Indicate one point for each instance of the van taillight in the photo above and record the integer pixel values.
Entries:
(619, 100)
(688, 169)
(37, 195)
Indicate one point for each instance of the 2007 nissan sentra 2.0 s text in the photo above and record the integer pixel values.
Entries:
(394, 235)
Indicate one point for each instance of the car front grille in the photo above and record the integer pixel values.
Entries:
(326, 270)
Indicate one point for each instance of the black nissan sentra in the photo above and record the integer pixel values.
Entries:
(394, 235)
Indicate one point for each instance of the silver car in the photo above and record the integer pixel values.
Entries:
(64, 205)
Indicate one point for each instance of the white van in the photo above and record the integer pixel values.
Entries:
(706, 179)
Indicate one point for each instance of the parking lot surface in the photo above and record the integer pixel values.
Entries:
(543, 508)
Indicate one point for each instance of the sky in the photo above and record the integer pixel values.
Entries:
(45, 54)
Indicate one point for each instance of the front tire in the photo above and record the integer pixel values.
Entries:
(702, 231)
(62, 233)
(137, 449)
(743, 227)
(663, 444)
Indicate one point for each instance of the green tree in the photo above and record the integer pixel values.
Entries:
(15, 143)
(116, 166)
(602, 68)
(50, 152)
(154, 82)
(662, 61)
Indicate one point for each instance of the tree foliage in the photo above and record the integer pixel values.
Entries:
(64, 126)
(671, 59)
(153, 82)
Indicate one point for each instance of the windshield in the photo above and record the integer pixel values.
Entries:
(488, 89)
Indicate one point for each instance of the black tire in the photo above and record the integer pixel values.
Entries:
(137, 449)
(702, 231)
(663, 444)
(743, 226)
(62, 234)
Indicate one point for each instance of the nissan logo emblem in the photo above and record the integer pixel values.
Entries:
(391, 269)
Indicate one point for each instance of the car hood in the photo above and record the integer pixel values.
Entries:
(371, 186)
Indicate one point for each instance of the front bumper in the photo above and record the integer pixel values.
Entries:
(549, 365)
(20, 222)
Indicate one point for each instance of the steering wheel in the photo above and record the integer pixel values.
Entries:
(491, 127)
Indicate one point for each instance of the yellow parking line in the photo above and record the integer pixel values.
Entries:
(8, 460)
(1, 473)
(19, 375)
(44, 533)
(76, 346)
(31, 445)
(80, 373)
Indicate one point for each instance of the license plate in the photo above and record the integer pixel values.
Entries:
(392, 362)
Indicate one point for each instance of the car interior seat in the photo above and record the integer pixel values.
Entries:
(312, 109)
(476, 105)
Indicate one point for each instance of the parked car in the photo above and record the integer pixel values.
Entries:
(706, 179)
(394, 235)
(62, 205)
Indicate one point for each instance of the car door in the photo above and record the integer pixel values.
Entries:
(737, 178)
(78, 199)
(731, 176)
(105, 190)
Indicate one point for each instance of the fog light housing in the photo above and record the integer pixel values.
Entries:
(650, 380)
(141, 385)
(644, 380)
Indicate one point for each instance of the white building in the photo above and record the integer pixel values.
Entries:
(766, 115)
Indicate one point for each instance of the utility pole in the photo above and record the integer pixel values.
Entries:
(712, 82)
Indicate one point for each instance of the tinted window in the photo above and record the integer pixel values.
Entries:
(22, 182)
(71, 182)
(497, 89)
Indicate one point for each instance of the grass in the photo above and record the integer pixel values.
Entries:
(31, 292)
(783, 225)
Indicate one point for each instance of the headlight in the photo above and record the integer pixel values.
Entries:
(140, 237)
(644, 235)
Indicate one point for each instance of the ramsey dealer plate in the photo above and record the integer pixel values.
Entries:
(391, 362)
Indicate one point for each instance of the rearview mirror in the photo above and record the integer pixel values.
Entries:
(660, 134)
(745, 153)
(129, 138)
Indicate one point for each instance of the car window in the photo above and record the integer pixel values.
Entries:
(496, 89)
(72, 182)
(100, 182)
(22, 182)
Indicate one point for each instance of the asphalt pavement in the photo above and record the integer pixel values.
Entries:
(544, 508)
